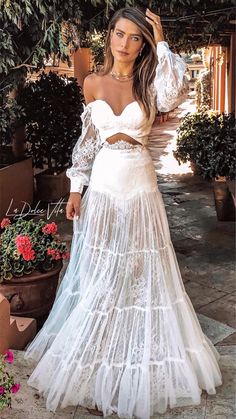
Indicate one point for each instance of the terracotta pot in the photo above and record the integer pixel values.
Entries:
(32, 295)
(225, 206)
(194, 168)
(232, 186)
(82, 64)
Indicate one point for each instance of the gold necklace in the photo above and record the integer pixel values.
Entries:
(121, 77)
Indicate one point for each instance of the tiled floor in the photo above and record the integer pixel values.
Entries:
(204, 249)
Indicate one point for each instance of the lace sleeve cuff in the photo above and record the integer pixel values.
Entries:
(76, 185)
(170, 83)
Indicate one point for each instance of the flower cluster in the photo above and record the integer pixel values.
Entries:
(24, 247)
(50, 228)
(29, 245)
(7, 384)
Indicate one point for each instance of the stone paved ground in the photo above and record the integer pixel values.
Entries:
(204, 249)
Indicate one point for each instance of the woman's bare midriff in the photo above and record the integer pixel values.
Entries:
(120, 136)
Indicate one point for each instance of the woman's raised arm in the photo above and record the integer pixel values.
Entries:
(170, 83)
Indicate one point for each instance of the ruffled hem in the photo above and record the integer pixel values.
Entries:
(129, 390)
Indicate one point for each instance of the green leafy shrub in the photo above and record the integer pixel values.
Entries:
(208, 140)
(10, 112)
(52, 107)
(31, 32)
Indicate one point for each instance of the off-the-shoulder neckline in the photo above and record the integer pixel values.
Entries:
(104, 101)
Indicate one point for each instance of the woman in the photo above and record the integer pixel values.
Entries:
(122, 335)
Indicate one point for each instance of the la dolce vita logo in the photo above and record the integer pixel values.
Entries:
(26, 209)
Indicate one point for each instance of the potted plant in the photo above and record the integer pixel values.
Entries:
(31, 254)
(208, 140)
(52, 107)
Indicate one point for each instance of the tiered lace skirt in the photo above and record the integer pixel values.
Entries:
(122, 333)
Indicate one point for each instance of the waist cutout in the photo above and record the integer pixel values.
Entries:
(122, 145)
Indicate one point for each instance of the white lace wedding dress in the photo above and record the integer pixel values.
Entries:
(122, 333)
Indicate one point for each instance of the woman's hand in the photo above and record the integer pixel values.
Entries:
(73, 205)
(155, 21)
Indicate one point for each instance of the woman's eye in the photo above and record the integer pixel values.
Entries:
(134, 38)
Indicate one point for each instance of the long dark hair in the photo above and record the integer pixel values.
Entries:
(145, 65)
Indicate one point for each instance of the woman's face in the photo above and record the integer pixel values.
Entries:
(126, 41)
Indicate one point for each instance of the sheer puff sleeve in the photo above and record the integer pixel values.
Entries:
(170, 83)
(84, 153)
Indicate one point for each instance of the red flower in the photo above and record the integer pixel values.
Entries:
(15, 388)
(28, 254)
(5, 222)
(2, 390)
(55, 254)
(9, 357)
(51, 252)
(50, 228)
(22, 242)
(66, 255)
(24, 247)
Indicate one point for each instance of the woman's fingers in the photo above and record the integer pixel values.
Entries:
(69, 211)
(155, 21)
(72, 210)
(150, 21)
(77, 212)
(155, 18)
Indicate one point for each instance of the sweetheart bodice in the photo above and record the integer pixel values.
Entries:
(128, 122)
(134, 102)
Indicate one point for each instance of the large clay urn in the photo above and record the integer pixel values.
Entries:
(32, 295)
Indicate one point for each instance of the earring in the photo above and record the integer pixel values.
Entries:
(140, 53)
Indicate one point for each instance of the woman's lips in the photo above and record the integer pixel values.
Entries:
(123, 53)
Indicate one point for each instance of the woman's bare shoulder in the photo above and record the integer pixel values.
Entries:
(93, 79)
(91, 85)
